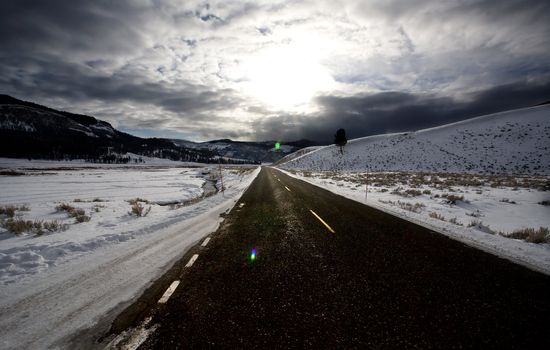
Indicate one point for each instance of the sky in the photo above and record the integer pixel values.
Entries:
(276, 70)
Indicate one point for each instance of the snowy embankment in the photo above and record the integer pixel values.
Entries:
(55, 283)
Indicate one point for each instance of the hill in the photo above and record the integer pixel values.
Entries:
(29, 130)
(512, 142)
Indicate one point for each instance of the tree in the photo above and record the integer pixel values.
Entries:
(340, 139)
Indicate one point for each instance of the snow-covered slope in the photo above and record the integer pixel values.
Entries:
(512, 142)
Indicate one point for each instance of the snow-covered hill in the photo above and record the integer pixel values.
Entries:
(512, 142)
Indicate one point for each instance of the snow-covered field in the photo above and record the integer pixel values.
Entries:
(54, 283)
(491, 208)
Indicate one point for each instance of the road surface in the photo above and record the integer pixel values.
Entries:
(295, 266)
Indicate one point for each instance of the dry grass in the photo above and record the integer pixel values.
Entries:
(137, 200)
(437, 216)
(414, 208)
(11, 210)
(455, 222)
(78, 213)
(441, 181)
(531, 235)
(54, 226)
(139, 210)
(452, 198)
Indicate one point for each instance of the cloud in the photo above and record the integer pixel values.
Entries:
(385, 112)
(182, 66)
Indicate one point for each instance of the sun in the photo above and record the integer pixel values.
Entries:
(286, 77)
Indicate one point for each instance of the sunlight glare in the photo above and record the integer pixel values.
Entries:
(286, 77)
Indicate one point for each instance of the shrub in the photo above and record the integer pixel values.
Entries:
(452, 198)
(78, 213)
(139, 210)
(98, 200)
(10, 210)
(475, 223)
(506, 200)
(428, 192)
(455, 221)
(136, 200)
(480, 226)
(413, 193)
(54, 226)
(474, 214)
(82, 218)
(64, 207)
(437, 216)
(17, 226)
(531, 235)
(415, 208)
(545, 203)
(78, 200)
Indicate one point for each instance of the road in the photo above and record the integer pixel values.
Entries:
(328, 272)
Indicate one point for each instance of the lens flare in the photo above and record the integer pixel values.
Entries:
(253, 254)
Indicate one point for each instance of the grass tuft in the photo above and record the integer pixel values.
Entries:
(531, 235)
(437, 216)
(139, 210)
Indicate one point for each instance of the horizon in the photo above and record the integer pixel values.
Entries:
(276, 71)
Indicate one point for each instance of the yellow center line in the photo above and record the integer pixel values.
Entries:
(288, 189)
(322, 221)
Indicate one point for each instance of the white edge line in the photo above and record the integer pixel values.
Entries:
(205, 242)
(169, 292)
(288, 189)
(192, 260)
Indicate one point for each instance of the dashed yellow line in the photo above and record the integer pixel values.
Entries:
(322, 221)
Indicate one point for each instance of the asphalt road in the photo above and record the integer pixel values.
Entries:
(376, 282)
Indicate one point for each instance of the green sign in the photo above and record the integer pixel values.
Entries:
(277, 145)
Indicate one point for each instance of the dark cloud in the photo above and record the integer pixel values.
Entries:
(174, 65)
(74, 82)
(397, 111)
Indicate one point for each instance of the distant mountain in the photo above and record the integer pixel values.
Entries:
(514, 142)
(259, 151)
(29, 130)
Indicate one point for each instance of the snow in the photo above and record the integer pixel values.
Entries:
(25, 164)
(513, 142)
(58, 283)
